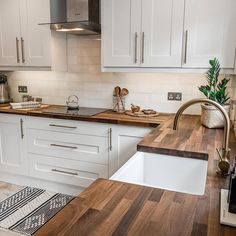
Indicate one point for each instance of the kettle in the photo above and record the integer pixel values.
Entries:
(73, 102)
(4, 93)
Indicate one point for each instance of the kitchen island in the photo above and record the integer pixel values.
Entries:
(114, 208)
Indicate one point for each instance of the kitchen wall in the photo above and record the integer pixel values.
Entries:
(94, 88)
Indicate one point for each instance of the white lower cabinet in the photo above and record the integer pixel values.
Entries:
(62, 170)
(60, 154)
(12, 144)
(124, 144)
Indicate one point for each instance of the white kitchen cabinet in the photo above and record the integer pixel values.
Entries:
(62, 170)
(35, 39)
(162, 27)
(145, 35)
(124, 144)
(67, 152)
(12, 144)
(23, 42)
(9, 32)
(65, 155)
(142, 33)
(210, 32)
(121, 27)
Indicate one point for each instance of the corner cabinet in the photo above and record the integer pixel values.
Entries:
(142, 33)
(23, 43)
(181, 34)
(12, 144)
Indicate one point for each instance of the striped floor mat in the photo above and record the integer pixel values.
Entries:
(29, 209)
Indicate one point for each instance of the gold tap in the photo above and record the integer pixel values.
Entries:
(224, 152)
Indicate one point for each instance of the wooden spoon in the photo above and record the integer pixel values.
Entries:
(117, 91)
(124, 92)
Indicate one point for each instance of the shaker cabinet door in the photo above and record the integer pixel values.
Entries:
(9, 32)
(121, 33)
(35, 38)
(162, 27)
(210, 31)
(12, 144)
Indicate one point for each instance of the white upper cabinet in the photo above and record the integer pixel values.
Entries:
(138, 33)
(121, 26)
(23, 42)
(168, 33)
(35, 39)
(162, 26)
(9, 32)
(210, 31)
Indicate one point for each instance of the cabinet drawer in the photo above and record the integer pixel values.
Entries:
(70, 172)
(68, 146)
(68, 126)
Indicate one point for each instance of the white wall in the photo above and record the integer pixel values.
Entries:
(95, 88)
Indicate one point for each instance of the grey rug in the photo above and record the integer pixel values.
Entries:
(29, 209)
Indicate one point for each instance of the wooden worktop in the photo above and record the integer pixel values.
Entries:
(105, 117)
(115, 208)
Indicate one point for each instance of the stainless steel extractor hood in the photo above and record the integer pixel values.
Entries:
(81, 17)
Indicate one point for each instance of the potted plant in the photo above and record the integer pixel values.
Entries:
(216, 91)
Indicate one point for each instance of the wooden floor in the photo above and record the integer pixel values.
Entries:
(6, 190)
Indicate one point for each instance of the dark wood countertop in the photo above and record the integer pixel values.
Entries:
(115, 208)
(104, 117)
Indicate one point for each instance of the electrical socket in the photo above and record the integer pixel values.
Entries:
(22, 89)
(174, 96)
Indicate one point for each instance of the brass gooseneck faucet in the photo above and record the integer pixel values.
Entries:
(224, 152)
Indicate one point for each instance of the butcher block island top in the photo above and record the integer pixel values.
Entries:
(114, 208)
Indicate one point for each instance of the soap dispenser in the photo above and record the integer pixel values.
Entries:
(232, 190)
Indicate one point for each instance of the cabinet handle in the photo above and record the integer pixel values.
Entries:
(21, 128)
(23, 50)
(64, 172)
(17, 50)
(110, 139)
(62, 146)
(186, 47)
(142, 49)
(135, 48)
(63, 126)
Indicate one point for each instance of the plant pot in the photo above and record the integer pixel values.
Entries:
(212, 117)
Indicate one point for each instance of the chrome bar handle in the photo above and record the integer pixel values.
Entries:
(110, 139)
(63, 126)
(21, 128)
(135, 48)
(64, 172)
(186, 47)
(142, 49)
(23, 49)
(62, 146)
(17, 50)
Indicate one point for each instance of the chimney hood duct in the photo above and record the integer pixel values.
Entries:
(80, 17)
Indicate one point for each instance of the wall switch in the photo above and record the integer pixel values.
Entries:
(174, 96)
(22, 89)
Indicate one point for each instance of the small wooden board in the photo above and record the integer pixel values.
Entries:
(140, 114)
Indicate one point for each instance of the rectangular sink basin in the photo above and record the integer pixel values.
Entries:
(185, 175)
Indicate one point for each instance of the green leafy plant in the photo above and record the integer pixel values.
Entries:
(215, 89)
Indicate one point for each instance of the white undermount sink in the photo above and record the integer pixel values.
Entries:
(186, 175)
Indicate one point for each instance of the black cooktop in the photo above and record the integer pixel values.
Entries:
(82, 111)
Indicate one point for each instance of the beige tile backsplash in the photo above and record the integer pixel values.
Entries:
(94, 88)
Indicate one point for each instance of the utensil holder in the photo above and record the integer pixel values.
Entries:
(118, 104)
